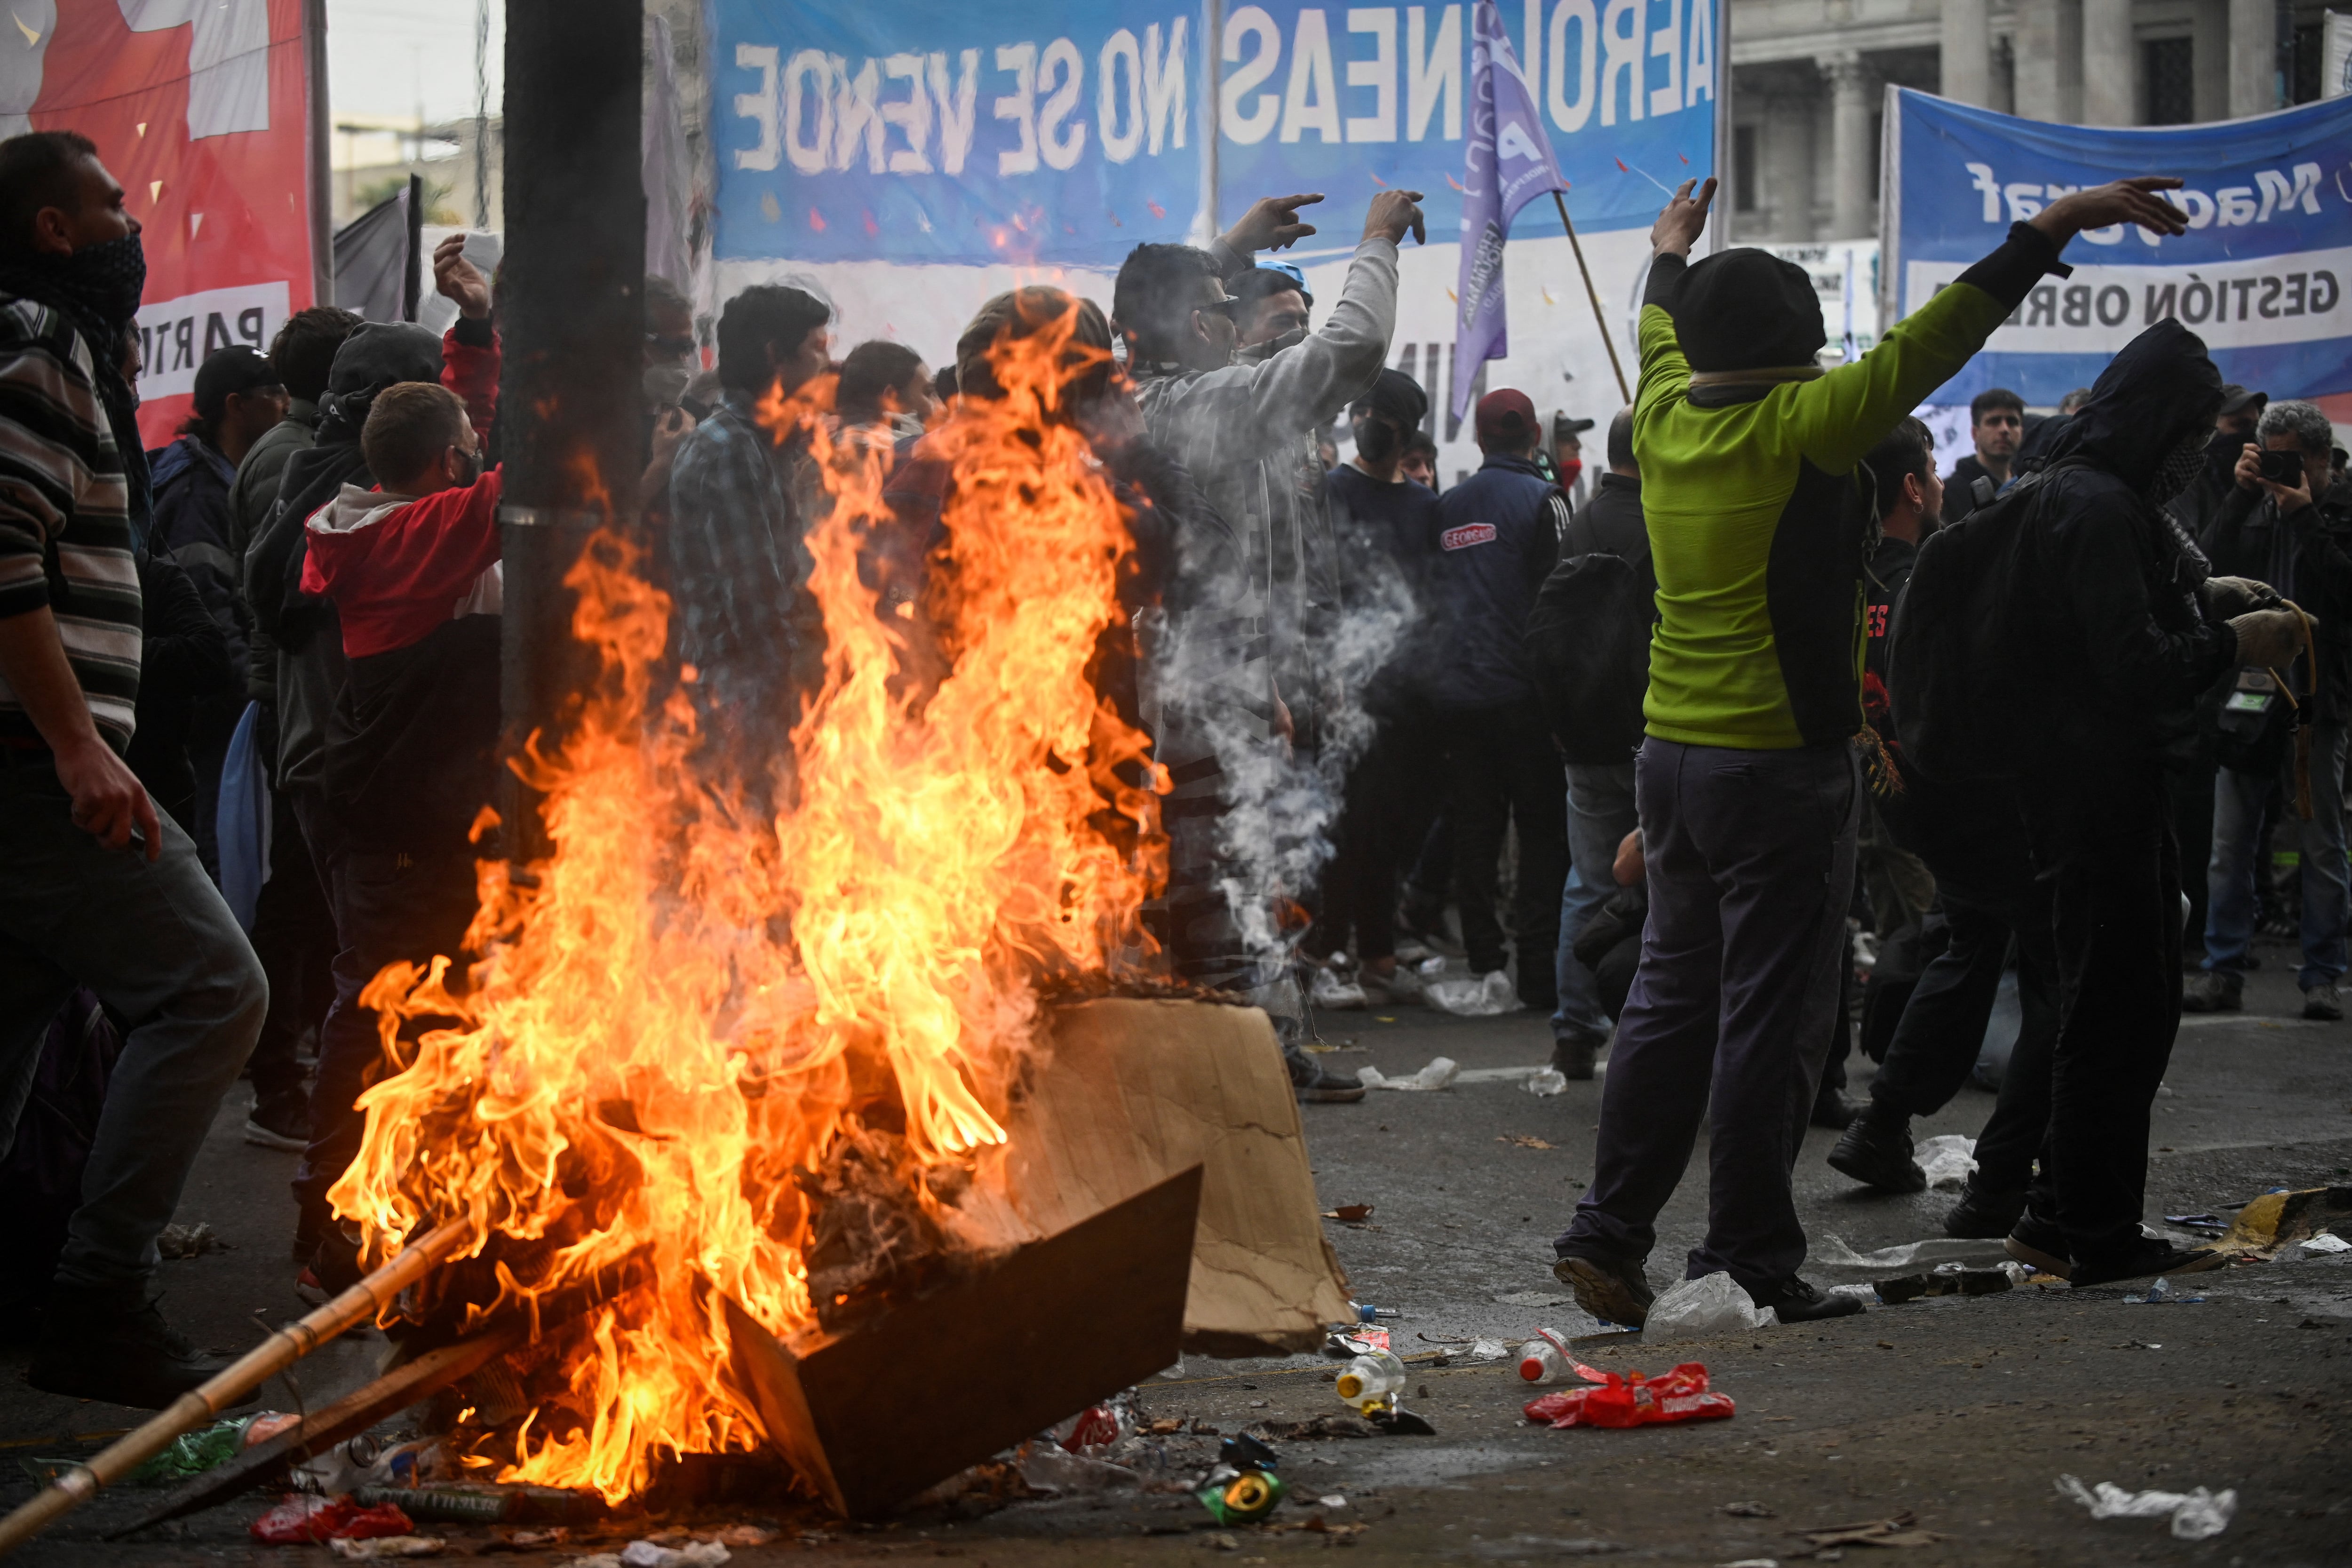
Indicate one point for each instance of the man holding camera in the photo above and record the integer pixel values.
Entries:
(2286, 522)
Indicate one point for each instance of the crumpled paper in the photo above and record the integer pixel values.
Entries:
(1948, 1160)
(1474, 996)
(1439, 1072)
(2197, 1515)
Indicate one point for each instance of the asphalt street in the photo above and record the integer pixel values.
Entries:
(1962, 1412)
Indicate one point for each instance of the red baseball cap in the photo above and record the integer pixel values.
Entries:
(1505, 418)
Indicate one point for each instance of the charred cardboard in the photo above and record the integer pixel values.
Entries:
(939, 1380)
(1133, 1090)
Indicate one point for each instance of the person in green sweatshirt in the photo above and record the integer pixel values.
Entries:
(1747, 785)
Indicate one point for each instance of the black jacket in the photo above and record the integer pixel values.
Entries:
(2121, 625)
(1499, 538)
(1959, 499)
(306, 637)
(1386, 534)
(184, 658)
(1611, 523)
(1883, 576)
(2308, 559)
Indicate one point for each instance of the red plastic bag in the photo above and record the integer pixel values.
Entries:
(302, 1520)
(1633, 1400)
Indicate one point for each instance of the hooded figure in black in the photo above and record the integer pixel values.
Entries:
(2132, 626)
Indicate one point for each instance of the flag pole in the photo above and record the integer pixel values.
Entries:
(1594, 295)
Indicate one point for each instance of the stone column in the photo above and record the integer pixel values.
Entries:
(2254, 57)
(2210, 46)
(2037, 60)
(1853, 190)
(2107, 74)
(1787, 159)
(1968, 53)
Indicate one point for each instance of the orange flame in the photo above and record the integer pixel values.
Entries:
(680, 1007)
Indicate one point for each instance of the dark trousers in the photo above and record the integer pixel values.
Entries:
(389, 908)
(1937, 1043)
(2104, 842)
(294, 937)
(1750, 858)
(1501, 769)
(1359, 893)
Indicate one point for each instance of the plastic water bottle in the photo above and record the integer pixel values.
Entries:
(1367, 1313)
(1540, 1360)
(1371, 1379)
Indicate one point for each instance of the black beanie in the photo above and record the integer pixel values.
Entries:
(1747, 309)
(1398, 396)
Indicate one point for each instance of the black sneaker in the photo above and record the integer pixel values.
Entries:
(1572, 1054)
(2040, 1244)
(2322, 1002)
(111, 1343)
(1876, 1152)
(2215, 991)
(1611, 1288)
(1982, 1215)
(2145, 1261)
(1799, 1302)
(1834, 1110)
(281, 1121)
(1316, 1086)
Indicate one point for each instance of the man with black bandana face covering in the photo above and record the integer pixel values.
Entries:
(96, 888)
(2140, 629)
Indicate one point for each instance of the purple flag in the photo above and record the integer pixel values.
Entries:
(1508, 163)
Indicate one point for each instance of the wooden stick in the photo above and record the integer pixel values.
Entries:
(1594, 295)
(354, 1413)
(281, 1349)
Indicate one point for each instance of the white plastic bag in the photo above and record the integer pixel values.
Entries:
(1484, 996)
(1436, 1075)
(1692, 1308)
(2195, 1515)
(1546, 1081)
(1948, 1160)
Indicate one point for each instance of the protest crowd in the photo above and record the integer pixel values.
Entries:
(1682, 724)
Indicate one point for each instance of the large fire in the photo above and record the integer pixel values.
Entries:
(771, 1058)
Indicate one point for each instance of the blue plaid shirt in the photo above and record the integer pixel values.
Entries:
(737, 563)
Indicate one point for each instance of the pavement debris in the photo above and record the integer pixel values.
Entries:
(2195, 1515)
(1901, 1529)
(1713, 1304)
(1439, 1072)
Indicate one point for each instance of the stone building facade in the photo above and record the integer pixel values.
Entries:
(1808, 79)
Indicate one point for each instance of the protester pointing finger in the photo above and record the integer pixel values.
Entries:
(1392, 214)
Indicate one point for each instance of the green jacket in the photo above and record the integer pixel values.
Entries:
(1756, 528)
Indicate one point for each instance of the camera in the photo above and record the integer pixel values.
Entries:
(2283, 468)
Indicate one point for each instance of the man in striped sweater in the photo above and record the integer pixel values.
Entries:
(96, 887)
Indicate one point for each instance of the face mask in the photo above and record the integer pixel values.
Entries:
(1377, 441)
(2179, 466)
(1569, 469)
(470, 468)
(106, 278)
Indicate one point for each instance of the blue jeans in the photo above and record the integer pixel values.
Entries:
(2230, 899)
(1600, 813)
(161, 949)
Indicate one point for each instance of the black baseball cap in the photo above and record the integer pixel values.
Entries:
(231, 369)
(2236, 399)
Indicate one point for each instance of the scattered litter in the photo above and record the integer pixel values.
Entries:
(1366, 1312)
(1352, 1214)
(1546, 1081)
(1396, 1423)
(1480, 996)
(1099, 1425)
(1436, 1075)
(1533, 1298)
(744, 1535)
(1514, 1547)
(1525, 1140)
(1242, 1486)
(189, 1240)
(1752, 1563)
(1950, 1279)
(379, 1547)
(2195, 1515)
(1485, 1349)
(1048, 1467)
(1712, 1305)
(1633, 1400)
(2209, 1221)
(1333, 1500)
(1545, 1358)
(300, 1520)
(1834, 1253)
(1746, 1510)
(2162, 1293)
(206, 1447)
(2315, 1247)
(1900, 1530)
(693, 1554)
(1328, 1426)
(1948, 1159)
(1371, 1381)
(2280, 1216)
(478, 1504)
(536, 1540)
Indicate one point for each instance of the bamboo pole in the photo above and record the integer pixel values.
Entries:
(1599, 318)
(281, 1349)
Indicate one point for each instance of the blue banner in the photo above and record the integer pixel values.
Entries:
(1041, 131)
(2261, 275)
